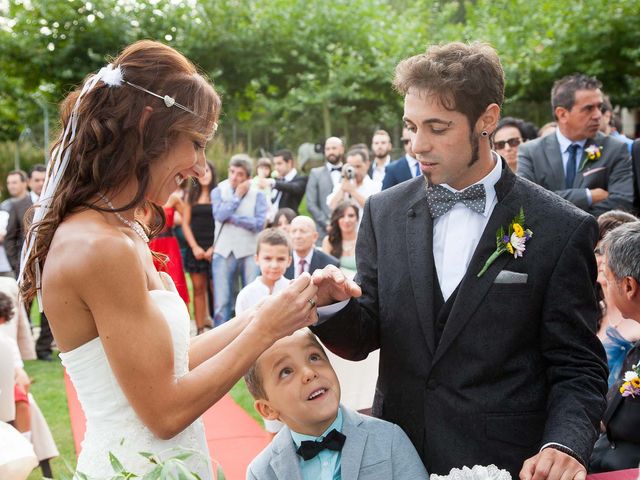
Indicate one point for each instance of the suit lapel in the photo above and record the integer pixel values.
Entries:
(353, 449)
(420, 259)
(284, 462)
(553, 157)
(473, 290)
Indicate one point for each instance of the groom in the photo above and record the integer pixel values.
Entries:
(500, 368)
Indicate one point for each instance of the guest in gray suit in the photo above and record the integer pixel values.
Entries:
(294, 382)
(321, 182)
(591, 170)
(497, 365)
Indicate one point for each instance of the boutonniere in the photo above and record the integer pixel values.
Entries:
(512, 241)
(631, 385)
(592, 153)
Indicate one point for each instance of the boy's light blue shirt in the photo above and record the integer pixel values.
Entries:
(325, 465)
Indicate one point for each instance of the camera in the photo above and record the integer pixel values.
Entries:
(348, 172)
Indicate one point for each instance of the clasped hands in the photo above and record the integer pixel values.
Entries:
(295, 306)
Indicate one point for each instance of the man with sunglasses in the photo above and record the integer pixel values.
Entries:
(583, 166)
(404, 168)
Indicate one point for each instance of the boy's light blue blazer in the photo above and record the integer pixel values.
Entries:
(374, 450)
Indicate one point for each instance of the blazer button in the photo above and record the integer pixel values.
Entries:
(432, 384)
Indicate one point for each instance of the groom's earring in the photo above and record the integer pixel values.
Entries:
(484, 133)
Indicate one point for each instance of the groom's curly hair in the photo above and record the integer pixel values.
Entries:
(466, 78)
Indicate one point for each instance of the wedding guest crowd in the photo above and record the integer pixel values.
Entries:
(246, 237)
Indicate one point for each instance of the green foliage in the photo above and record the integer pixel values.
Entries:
(292, 71)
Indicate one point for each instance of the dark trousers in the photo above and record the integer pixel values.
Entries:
(43, 344)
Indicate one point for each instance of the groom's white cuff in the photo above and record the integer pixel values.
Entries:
(326, 312)
(563, 449)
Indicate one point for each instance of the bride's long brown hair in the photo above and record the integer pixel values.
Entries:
(111, 146)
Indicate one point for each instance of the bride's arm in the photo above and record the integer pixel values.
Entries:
(138, 344)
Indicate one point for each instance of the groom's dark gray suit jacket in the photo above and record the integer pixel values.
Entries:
(516, 365)
(540, 161)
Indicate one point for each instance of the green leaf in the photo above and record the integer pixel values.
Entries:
(153, 474)
(115, 463)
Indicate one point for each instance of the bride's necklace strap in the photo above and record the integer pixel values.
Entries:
(135, 226)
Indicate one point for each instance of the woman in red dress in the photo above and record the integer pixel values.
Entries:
(167, 244)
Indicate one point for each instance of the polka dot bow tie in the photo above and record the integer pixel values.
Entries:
(441, 199)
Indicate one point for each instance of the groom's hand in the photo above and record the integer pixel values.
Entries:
(334, 286)
(552, 464)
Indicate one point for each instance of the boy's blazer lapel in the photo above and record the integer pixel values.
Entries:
(473, 290)
(353, 449)
(284, 462)
(419, 246)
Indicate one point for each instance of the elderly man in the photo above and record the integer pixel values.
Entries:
(306, 258)
(583, 166)
(239, 212)
(619, 447)
(321, 182)
(487, 347)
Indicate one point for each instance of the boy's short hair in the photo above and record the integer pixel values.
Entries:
(264, 162)
(273, 237)
(253, 379)
(6, 307)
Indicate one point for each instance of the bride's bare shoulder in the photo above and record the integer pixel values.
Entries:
(84, 244)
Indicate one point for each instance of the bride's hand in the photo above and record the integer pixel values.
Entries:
(289, 310)
(334, 286)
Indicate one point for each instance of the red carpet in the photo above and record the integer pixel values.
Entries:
(234, 438)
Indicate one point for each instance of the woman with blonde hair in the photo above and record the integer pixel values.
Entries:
(130, 134)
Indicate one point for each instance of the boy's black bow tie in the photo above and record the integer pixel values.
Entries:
(333, 441)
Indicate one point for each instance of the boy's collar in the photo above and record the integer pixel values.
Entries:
(337, 424)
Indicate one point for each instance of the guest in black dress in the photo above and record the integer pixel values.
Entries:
(199, 231)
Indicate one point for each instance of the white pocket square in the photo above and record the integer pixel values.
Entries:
(506, 276)
(593, 170)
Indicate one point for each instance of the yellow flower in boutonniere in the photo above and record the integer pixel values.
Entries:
(512, 241)
(592, 153)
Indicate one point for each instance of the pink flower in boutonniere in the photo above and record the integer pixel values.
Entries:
(592, 153)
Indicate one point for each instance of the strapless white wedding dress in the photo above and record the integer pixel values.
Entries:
(112, 425)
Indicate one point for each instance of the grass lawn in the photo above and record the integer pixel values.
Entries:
(48, 389)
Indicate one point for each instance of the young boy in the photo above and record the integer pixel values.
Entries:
(294, 382)
(273, 256)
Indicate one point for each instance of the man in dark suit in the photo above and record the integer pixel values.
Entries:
(478, 366)
(13, 244)
(288, 189)
(321, 182)
(635, 163)
(306, 258)
(591, 170)
(404, 168)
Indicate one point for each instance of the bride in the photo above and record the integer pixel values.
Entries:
(131, 134)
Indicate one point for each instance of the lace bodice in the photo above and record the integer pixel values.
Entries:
(112, 425)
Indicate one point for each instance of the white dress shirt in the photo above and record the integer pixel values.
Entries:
(378, 172)
(336, 175)
(251, 295)
(456, 233)
(565, 143)
(412, 165)
(276, 194)
(296, 263)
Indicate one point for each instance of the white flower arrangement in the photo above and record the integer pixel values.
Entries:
(478, 472)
